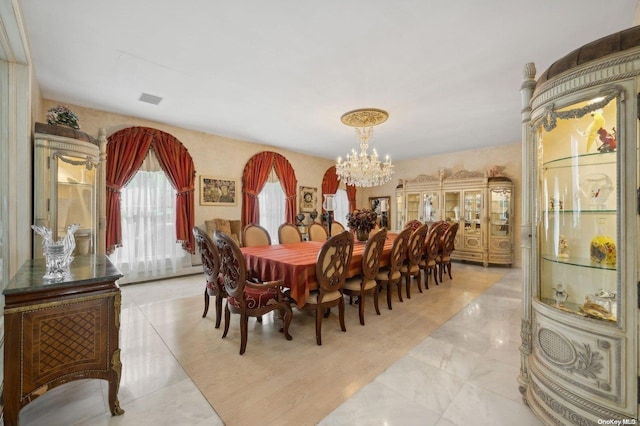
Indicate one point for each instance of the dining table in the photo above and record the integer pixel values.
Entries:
(295, 264)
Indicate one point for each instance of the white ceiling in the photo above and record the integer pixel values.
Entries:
(282, 72)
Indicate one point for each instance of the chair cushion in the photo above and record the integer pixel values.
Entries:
(354, 285)
(328, 297)
(412, 269)
(384, 276)
(424, 263)
(256, 298)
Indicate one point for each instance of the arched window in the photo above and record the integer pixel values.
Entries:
(273, 198)
(345, 199)
(255, 175)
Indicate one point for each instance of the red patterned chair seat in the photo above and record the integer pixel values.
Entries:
(256, 298)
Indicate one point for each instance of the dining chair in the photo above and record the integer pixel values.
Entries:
(444, 257)
(336, 228)
(431, 250)
(289, 233)
(317, 232)
(413, 224)
(211, 267)
(332, 266)
(391, 275)
(245, 297)
(254, 235)
(370, 267)
(411, 266)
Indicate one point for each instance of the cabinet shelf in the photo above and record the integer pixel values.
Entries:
(590, 159)
(578, 261)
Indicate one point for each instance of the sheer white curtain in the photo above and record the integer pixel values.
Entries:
(341, 207)
(149, 247)
(272, 206)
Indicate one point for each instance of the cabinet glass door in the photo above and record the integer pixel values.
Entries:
(500, 205)
(399, 211)
(75, 200)
(472, 212)
(578, 211)
(430, 203)
(413, 206)
(452, 206)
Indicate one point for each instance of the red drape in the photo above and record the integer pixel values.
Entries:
(255, 175)
(126, 150)
(287, 177)
(330, 185)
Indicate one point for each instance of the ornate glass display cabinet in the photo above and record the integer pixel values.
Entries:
(500, 220)
(580, 232)
(69, 185)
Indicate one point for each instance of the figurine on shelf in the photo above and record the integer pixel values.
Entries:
(608, 140)
(563, 247)
(592, 130)
(560, 294)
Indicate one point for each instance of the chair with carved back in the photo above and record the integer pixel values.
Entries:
(431, 250)
(413, 224)
(244, 297)
(444, 257)
(332, 266)
(411, 266)
(336, 228)
(254, 235)
(317, 232)
(211, 266)
(390, 275)
(289, 233)
(366, 283)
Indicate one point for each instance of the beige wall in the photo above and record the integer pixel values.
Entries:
(223, 157)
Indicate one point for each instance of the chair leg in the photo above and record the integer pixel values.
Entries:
(218, 310)
(449, 269)
(426, 279)
(319, 325)
(408, 284)
(341, 314)
(389, 296)
(244, 330)
(259, 319)
(206, 304)
(361, 308)
(227, 320)
(376, 292)
(399, 285)
(286, 319)
(419, 280)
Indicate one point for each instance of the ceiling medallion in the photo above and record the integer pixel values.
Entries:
(362, 169)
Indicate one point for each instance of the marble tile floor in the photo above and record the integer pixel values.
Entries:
(463, 373)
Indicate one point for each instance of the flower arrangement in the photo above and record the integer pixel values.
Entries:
(362, 220)
(62, 115)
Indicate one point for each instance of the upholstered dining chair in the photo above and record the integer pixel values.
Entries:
(244, 297)
(317, 232)
(431, 250)
(211, 267)
(390, 275)
(444, 257)
(336, 228)
(413, 224)
(332, 266)
(289, 233)
(254, 235)
(411, 267)
(370, 267)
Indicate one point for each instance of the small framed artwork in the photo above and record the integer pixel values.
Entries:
(308, 199)
(215, 191)
(382, 206)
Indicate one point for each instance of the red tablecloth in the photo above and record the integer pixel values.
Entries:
(295, 264)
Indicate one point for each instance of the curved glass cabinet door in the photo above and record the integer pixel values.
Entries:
(578, 210)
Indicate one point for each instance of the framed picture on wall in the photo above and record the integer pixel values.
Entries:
(308, 199)
(215, 191)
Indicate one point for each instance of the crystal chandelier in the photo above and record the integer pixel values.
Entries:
(363, 169)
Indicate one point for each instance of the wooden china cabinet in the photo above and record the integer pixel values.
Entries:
(580, 210)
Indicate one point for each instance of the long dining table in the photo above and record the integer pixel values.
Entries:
(295, 264)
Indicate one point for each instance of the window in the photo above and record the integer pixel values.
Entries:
(272, 206)
(148, 205)
(341, 207)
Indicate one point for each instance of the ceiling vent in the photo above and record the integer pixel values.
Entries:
(150, 99)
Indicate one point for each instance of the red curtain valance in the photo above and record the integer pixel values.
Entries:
(126, 150)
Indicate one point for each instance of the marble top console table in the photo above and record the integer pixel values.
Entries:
(62, 331)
